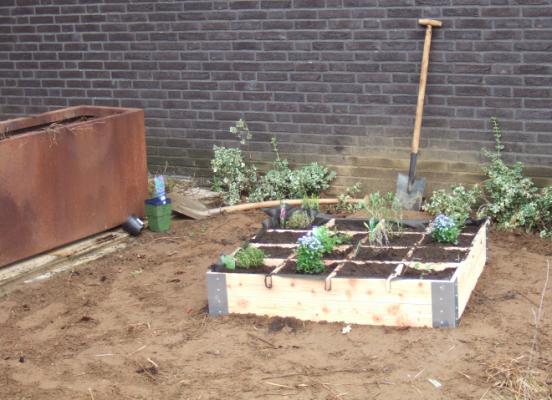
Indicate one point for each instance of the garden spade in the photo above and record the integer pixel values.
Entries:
(410, 189)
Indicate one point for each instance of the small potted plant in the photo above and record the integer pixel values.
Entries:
(158, 206)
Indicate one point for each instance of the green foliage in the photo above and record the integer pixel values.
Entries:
(377, 232)
(229, 262)
(309, 261)
(344, 204)
(382, 206)
(512, 199)
(235, 177)
(231, 174)
(445, 230)
(281, 182)
(543, 220)
(241, 130)
(385, 209)
(314, 245)
(330, 238)
(458, 204)
(310, 203)
(249, 257)
(300, 219)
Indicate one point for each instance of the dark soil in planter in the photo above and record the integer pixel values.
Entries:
(463, 241)
(380, 254)
(350, 225)
(261, 270)
(404, 240)
(436, 254)
(366, 270)
(290, 269)
(357, 237)
(338, 254)
(412, 273)
(470, 229)
(278, 237)
(277, 252)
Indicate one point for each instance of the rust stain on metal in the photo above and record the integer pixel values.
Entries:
(62, 181)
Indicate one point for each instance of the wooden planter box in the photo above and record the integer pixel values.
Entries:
(371, 301)
(68, 174)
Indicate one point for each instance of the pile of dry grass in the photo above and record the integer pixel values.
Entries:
(517, 378)
(512, 378)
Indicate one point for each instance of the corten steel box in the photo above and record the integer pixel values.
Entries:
(68, 174)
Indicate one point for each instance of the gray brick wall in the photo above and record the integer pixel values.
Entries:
(334, 80)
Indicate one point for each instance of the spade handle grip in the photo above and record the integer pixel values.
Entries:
(430, 22)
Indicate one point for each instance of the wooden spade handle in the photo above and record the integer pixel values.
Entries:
(430, 22)
(423, 80)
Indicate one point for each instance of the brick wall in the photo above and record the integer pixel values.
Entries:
(334, 80)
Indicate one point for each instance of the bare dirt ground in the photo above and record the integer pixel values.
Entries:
(133, 325)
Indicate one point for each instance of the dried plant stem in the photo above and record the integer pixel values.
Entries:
(537, 314)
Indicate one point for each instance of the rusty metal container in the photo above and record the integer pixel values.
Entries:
(68, 174)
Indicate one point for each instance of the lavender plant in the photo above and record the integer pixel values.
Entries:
(445, 230)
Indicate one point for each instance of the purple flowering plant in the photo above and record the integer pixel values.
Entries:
(309, 254)
(445, 230)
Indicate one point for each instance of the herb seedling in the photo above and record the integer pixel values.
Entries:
(377, 232)
(249, 257)
(344, 200)
(300, 219)
(330, 238)
(246, 258)
(310, 203)
(444, 230)
(385, 208)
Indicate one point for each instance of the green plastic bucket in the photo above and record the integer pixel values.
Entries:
(159, 216)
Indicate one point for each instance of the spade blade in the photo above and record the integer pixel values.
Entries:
(410, 200)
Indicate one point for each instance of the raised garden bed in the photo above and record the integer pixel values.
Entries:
(412, 282)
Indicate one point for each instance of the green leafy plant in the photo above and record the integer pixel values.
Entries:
(236, 178)
(511, 199)
(445, 230)
(249, 257)
(300, 219)
(330, 238)
(231, 174)
(382, 206)
(377, 232)
(344, 200)
(241, 130)
(309, 255)
(386, 208)
(310, 203)
(229, 262)
(459, 203)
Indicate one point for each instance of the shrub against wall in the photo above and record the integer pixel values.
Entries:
(334, 80)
